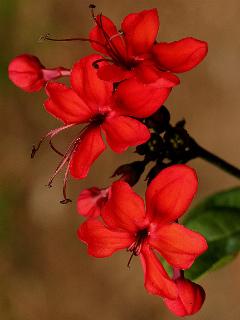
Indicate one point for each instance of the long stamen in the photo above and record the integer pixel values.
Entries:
(119, 34)
(136, 246)
(92, 7)
(55, 149)
(130, 259)
(47, 37)
(67, 158)
(50, 134)
(113, 49)
(65, 199)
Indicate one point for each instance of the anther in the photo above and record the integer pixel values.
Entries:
(43, 37)
(33, 152)
(92, 7)
(65, 201)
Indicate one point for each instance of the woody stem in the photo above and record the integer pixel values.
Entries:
(215, 160)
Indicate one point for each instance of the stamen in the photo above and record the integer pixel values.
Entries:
(113, 50)
(54, 148)
(130, 259)
(67, 159)
(136, 246)
(65, 199)
(50, 135)
(119, 34)
(47, 37)
(92, 7)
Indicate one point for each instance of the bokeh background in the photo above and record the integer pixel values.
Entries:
(45, 272)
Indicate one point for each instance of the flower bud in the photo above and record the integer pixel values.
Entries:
(27, 73)
(91, 201)
(190, 299)
(130, 172)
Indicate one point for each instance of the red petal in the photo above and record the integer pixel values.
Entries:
(147, 72)
(123, 132)
(134, 98)
(180, 56)
(190, 300)
(113, 73)
(102, 241)
(157, 280)
(140, 31)
(65, 104)
(88, 150)
(124, 209)
(106, 38)
(85, 81)
(169, 195)
(25, 71)
(177, 244)
(91, 201)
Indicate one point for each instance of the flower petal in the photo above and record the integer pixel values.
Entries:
(147, 72)
(111, 72)
(124, 208)
(123, 132)
(65, 104)
(102, 241)
(140, 31)
(169, 194)
(106, 39)
(91, 201)
(136, 99)
(87, 151)
(157, 281)
(85, 81)
(177, 244)
(190, 300)
(180, 56)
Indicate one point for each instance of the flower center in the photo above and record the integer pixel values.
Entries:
(136, 246)
(98, 119)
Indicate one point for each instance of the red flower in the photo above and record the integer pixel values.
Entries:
(91, 100)
(27, 73)
(134, 52)
(190, 298)
(90, 202)
(126, 225)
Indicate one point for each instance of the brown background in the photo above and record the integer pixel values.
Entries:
(45, 272)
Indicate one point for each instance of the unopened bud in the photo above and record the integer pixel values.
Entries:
(190, 299)
(28, 73)
(130, 172)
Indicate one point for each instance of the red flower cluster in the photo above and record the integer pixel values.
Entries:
(111, 93)
(126, 224)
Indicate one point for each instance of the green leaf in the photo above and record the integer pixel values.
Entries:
(218, 219)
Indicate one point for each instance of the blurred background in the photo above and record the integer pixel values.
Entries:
(45, 272)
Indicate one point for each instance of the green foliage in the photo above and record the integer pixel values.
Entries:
(218, 219)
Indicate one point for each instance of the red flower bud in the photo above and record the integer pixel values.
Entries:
(130, 172)
(90, 201)
(27, 73)
(190, 299)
